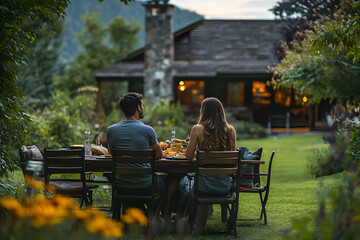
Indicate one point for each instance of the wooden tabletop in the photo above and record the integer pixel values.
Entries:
(102, 164)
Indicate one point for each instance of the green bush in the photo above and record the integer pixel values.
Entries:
(165, 114)
(338, 216)
(248, 130)
(164, 132)
(62, 123)
(319, 163)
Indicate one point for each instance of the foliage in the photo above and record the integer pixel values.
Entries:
(342, 36)
(57, 217)
(109, 10)
(164, 132)
(165, 117)
(15, 15)
(63, 122)
(248, 130)
(101, 46)
(36, 79)
(315, 73)
(295, 14)
(319, 163)
(338, 216)
(165, 113)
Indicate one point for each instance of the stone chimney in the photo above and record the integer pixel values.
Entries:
(159, 51)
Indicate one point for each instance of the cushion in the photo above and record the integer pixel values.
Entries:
(248, 181)
(30, 153)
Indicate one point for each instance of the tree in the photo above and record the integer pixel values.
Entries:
(318, 74)
(296, 14)
(14, 16)
(14, 49)
(343, 36)
(101, 46)
(36, 79)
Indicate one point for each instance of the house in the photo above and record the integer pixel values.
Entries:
(227, 59)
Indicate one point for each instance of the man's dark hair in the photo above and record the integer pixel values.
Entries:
(129, 103)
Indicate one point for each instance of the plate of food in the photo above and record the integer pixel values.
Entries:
(175, 158)
(103, 156)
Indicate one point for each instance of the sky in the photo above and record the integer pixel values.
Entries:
(229, 9)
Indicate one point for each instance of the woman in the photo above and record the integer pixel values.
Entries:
(211, 133)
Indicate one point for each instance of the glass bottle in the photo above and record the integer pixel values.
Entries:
(87, 143)
(172, 135)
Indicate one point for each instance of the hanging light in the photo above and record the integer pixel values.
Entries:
(182, 88)
(305, 99)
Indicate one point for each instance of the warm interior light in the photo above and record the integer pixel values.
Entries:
(195, 91)
(182, 88)
(305, 99)
(181, 83)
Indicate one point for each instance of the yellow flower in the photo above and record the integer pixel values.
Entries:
(49, 188)
(36, 184)
(356, 218)
(41, 129)
(63, 202)
(14, 206)
(135, 215)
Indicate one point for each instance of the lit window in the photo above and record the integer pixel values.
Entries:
(260, 93)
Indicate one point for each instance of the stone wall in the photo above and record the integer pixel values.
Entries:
(159, 53)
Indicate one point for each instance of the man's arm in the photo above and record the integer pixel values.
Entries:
(157, 147)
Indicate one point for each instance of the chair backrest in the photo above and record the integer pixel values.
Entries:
(132, 161)
(269, 169)
(216, 163)
(65, 161)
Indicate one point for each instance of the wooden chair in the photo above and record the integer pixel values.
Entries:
(217, 163)
(258, 188)
(69, 162)
(131, 162)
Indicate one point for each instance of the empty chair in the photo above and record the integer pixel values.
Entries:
(68, 162)
(258, 188)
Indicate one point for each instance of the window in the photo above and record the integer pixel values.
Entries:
(261, 94)
(235, 94)
(191, 93)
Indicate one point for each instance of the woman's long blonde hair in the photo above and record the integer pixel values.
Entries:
(216, 129)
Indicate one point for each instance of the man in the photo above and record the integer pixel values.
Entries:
(133, 134)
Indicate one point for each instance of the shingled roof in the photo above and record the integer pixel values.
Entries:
(211, 47)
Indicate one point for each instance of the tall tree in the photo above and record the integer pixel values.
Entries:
(101, 47)
(14, 15)
(343, 35)
(36, 79)
(296, 15)
(318, 73)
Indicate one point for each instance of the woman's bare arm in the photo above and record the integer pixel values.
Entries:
(190, 150)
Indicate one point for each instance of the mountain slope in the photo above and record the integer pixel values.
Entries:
(110, 9)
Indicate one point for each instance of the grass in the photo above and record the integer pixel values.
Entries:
(293, 192)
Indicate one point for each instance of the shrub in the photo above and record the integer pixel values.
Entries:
(164, 132)
(319, 163)
(338, 216)
(165, 114)
(248, 130)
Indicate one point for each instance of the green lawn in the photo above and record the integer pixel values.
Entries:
(293, 192)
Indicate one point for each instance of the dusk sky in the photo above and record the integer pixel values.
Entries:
(229, 9)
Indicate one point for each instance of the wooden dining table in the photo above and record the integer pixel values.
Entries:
(170, 166)
(174, 167)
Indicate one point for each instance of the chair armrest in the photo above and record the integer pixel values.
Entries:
(160, 174)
